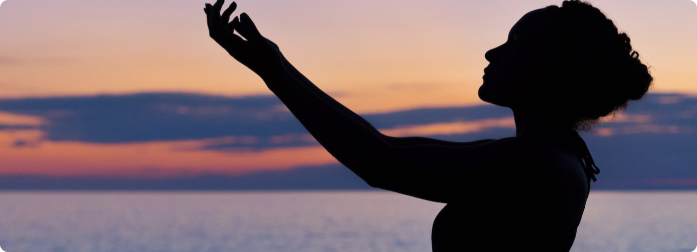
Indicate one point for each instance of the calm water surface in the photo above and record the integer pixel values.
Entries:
(304, 221)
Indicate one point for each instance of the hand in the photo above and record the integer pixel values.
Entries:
(254, 51)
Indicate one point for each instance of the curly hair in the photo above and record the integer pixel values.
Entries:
(592, 67)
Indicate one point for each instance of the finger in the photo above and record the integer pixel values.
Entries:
(208, 9)
(247, 28)
(231, 43)
(215, 27)
(208, 14)
(233, 24)
(226, 14)
(218, 6)
(211, 17)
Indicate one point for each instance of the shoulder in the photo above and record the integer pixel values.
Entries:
(500, 152)
(528, 159)
(490, 157)
(523, 149)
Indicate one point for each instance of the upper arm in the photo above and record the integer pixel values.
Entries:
(410, 141)
(444, 173)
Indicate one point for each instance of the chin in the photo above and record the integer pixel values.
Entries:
(482, 94)
(487, 94)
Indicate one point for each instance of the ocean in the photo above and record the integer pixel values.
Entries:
(304, 221)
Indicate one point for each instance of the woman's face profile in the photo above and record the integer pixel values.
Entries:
(514, 67)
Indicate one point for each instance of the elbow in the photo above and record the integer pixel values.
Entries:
(366, 175)
(374, 177)
(371, 164)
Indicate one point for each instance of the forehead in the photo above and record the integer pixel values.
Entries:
(537, 23)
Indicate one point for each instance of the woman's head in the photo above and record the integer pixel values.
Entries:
(567, 64)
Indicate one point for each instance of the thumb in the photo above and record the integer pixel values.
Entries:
(247, 28)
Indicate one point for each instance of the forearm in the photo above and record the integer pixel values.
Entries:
(326, 98)
(349, 140)
(401, 141)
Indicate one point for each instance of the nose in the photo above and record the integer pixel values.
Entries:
(493, 54)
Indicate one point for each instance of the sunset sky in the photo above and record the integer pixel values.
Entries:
(374, 56)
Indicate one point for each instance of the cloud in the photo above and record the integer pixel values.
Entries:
(155, 117)
(649, 145)
(450, 128)
(222, 122)
(657, 113)
(329, 177)
(19, 120)
(236, 143)
(261, 122)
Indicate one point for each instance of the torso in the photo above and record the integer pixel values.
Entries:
(528, 210)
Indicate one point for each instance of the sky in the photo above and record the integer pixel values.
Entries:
(137, 88)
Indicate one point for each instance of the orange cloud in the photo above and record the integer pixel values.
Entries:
(147, 159)
(13, 119)
(450, 128)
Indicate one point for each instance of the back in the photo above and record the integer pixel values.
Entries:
(573, 188)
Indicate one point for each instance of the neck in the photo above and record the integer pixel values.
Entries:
(527, 125)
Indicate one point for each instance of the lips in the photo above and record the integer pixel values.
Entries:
(487, 69)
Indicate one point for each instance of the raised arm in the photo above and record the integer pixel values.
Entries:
(415, 166)
(402, 141)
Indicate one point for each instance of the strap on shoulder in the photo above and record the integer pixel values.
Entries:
(586, 159)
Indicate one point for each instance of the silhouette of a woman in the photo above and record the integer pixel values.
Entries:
(562, 68)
